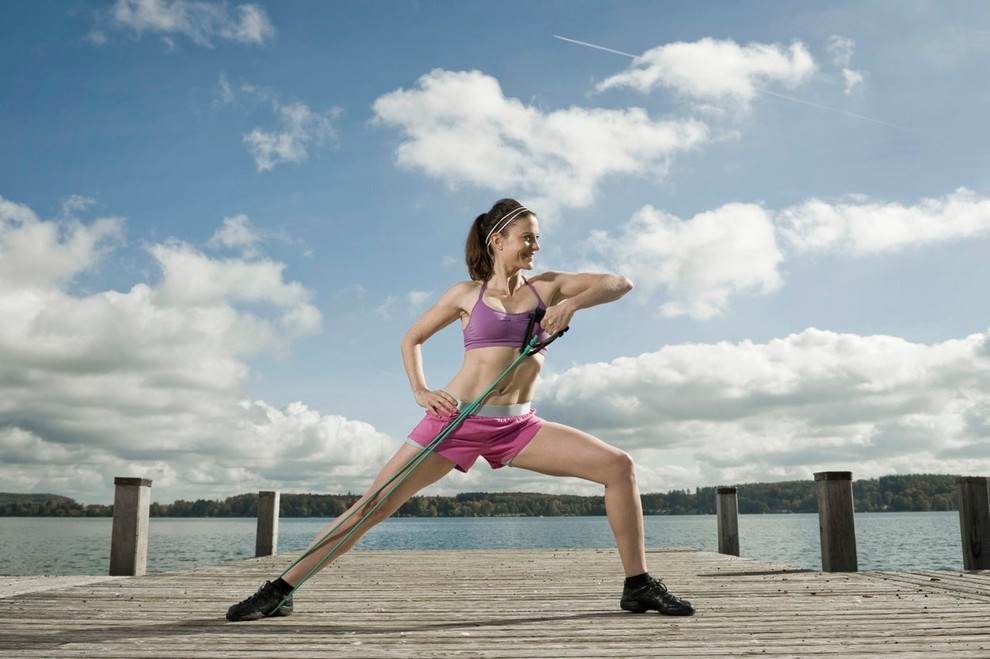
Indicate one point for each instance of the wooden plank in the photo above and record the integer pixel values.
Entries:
(512, 604)
(10, 586)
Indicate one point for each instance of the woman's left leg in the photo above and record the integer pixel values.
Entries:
(559, 450)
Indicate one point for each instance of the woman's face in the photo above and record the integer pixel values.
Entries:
(518, 248)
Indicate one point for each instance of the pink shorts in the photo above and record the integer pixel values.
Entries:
(496, 439)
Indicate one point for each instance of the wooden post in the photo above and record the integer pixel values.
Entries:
(835, 521)
(727, 511)
(266, 540)
(974, 521)
(129, 535)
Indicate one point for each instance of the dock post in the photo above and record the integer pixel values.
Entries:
(129, 535)
(266, 540)
(974, 521)
(727, 511)
(836, 523)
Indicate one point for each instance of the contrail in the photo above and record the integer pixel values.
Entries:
(848, 114)
(591, 45)
(769, 93)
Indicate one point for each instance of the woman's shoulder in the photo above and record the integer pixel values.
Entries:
(462, 293)
(466, 286)
(548, 280)
(548, 276)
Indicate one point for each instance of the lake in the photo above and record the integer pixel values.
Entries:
(81, 546)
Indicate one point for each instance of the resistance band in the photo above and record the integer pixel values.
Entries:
(531, 347)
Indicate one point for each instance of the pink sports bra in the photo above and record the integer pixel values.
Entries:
(488, 327)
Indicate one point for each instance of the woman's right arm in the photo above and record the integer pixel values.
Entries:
(446, 310)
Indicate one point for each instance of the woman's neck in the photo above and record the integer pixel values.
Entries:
(506, 280)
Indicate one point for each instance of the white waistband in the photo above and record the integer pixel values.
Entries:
(516, 409)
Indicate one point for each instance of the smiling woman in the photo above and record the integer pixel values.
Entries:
(808, 282)
(497, 308)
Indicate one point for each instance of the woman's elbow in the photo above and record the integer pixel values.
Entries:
(409, 341)
(623, 284)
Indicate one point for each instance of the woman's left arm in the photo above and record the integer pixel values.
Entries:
(572, 292)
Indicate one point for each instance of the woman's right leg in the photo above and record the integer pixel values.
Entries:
(275, 597)
(429, 471)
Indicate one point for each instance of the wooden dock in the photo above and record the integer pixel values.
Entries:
(539, 604)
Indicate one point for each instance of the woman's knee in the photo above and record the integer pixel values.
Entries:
(622, 467)
(378, 510)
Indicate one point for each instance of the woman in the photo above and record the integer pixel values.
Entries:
(494, 310)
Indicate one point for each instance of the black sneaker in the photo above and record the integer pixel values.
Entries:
(654, 596)
(260, 605)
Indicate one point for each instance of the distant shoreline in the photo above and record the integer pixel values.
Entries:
(899, 493)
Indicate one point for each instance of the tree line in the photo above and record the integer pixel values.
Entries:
(913, 492)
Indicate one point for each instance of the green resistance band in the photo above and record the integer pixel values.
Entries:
(404, 472)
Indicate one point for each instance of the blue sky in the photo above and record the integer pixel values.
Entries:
(218, 219)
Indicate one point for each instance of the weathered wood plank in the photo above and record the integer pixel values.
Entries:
(508, 604)
(10, 586)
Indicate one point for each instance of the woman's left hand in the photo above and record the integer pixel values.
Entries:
(438, 403)
(557, 318)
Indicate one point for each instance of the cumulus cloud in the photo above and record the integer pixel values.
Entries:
(151, 381)
(704, 261)
(718, 74)
(191, 280)
(817, 400)
(35, 252)
(202, 22)
(237, 232)
(300, 129)
(859, 225)
(461, 128)
(700, 261)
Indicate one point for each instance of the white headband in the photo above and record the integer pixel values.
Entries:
(508, 217)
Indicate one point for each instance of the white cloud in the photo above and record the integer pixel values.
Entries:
(704, 261)
(36, 252)
(192, 280)
(418, 298)
(151, 381)
(237, 232)
(225, 91)
(841, 49)
(854, 81)
(700, 261)
(411, 303)
(300, 130)
(250, 26)
(860, 226)
(201, 21)
(459, 127)
(721, 74)
(812, 401)
(386, 308)
(75, 204)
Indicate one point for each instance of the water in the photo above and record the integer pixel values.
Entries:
(81, 546)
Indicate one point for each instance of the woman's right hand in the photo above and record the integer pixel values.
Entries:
(437, 403)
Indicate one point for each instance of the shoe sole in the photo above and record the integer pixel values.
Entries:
(285, 610)
(643, 609)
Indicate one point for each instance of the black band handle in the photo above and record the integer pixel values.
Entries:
(529, 340)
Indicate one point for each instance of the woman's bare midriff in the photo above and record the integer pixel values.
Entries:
(482, 366)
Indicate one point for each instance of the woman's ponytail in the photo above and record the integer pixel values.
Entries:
(477, 251)
(476, 255)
